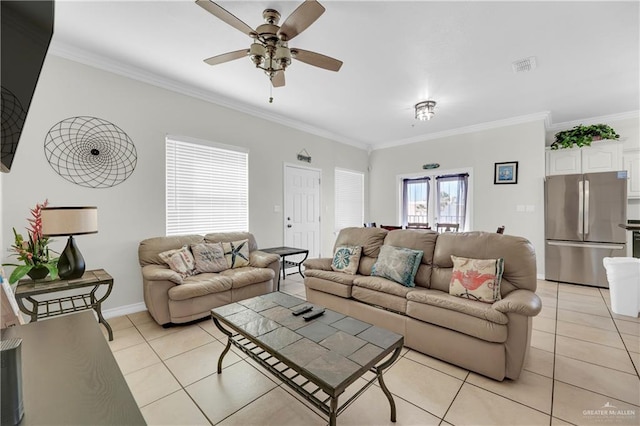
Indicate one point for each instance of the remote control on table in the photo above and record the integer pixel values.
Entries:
(313, 314)
(302, 310)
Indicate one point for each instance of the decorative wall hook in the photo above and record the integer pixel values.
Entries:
(304, 156)
(431, 166)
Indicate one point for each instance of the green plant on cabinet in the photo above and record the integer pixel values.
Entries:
(583, 136)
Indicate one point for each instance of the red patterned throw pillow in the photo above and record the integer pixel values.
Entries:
(476, 279)
(180, 260)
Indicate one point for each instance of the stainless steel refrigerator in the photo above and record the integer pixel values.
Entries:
(582, 214)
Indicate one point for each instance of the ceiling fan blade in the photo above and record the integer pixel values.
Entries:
(300, 19)
(316, 59)
(226, 57)
(224, 15)
(278, 79)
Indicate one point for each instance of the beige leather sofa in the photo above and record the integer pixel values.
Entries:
(169, 302)
(490, 339)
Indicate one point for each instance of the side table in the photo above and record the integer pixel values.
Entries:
(288, 251)
(92, 280)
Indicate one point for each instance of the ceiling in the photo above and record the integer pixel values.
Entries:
(395, 54)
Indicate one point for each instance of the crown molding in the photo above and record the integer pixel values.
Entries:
(593, 120)
(82, 56)
(540, 116)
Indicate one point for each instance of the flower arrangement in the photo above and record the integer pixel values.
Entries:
(34, 252)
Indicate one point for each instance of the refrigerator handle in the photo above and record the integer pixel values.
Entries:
(580, 207)
(586, 207)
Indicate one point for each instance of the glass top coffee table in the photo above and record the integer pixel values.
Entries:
(318, 358)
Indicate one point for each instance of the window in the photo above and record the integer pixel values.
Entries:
(207, 187)
(349, 189)
(452, 198)
(416, 200)
(433, 198)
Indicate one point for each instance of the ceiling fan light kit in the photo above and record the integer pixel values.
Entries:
(270, 50)
(425, 110)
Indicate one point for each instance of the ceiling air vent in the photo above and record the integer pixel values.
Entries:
(524, 65)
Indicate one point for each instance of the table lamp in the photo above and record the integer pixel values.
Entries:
(63, 221)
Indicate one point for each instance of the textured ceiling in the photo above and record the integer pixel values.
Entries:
(395, 54)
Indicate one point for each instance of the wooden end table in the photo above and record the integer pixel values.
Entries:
(92, 280)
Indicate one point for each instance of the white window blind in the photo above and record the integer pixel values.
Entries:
(349, 189)
(207, 188)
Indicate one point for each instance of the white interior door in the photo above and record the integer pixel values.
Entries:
(302, 209)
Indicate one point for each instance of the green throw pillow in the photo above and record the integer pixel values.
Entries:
(346, 259)
(398, 264)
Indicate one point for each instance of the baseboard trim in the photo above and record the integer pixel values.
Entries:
(124, 310)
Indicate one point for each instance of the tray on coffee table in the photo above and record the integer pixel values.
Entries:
(318, 358)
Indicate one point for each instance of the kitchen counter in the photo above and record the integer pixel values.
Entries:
(630, 226)
(633, 237)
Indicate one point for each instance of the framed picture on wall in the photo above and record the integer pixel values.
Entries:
(505, 173)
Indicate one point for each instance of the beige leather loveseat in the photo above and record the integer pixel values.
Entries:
(172, 298)
(489, 338)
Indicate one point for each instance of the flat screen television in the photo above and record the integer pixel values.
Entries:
(26, 31)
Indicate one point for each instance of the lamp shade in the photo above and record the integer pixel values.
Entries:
(58, 221)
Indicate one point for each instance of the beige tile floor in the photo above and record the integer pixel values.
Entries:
(584, 361)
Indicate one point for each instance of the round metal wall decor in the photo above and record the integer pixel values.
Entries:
(13, 116)
(90, 152)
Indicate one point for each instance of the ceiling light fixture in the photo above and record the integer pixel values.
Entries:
(424, 110)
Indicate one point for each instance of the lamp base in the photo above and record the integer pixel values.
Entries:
(71, 263)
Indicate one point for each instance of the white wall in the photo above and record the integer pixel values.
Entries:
(135, 209)
(493, 205)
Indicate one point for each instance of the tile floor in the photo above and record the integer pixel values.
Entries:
(584, 361)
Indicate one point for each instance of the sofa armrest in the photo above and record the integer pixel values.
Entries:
(323, 264)
(261, 259)
(160, 273)
(524, 302)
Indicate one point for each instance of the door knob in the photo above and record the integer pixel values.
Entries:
(289, 226)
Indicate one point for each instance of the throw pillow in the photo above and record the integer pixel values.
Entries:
(398, 264)
(346, 259)
(236, 253)
(476, 279)
(209, 257)
(180, 260)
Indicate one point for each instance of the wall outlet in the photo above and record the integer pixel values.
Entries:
(530, 208)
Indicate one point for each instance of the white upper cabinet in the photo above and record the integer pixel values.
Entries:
(632, 166)
(601, 156)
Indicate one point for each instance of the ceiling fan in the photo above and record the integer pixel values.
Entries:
(270, 50)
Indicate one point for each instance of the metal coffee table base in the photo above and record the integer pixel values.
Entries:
(288, 374)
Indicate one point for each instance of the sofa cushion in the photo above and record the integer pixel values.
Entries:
(517, 252)
(465, 316)
(236, 253)
(227, 237)
(180, 260)
(444, 300)
(398, 264)
(476, 279)
(380, 298)
(209, 257)
(416, 239)
(382, 285)
(149, 248)
(200, 285)
(370, 239)
(346, 259)
(241, 277)
(317, 280)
